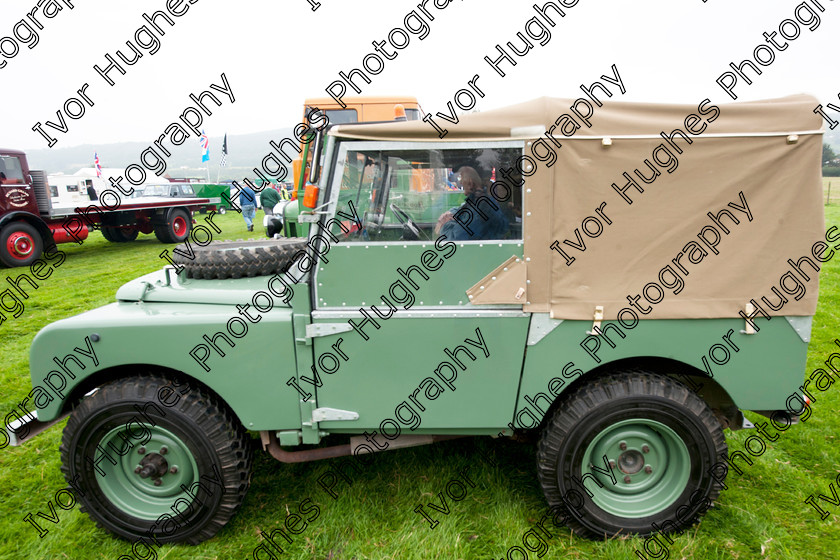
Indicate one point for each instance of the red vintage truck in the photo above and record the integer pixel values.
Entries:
(30, 220)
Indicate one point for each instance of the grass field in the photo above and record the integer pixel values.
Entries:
(761, 515)
(831, 191)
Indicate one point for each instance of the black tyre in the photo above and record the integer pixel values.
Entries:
(120, 235)
(142, 469)
(125, 235)
(643, 446)
(177, 227)
(108, 233)
(20, 244)
(239, 259)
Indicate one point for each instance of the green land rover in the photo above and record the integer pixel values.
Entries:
(620, 284)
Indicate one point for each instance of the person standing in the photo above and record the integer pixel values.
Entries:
(269, 198)
(248, 203)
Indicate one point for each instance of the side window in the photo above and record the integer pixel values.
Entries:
(421, 194)
(342, 116)
(11, 170)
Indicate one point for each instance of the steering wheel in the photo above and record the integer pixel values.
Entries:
(406, 220)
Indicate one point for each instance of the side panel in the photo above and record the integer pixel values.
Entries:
(249, 377)
(455, 385)
(759, 371)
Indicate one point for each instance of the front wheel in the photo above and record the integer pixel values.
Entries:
(20, 244)
(170, 470)
(631, 453)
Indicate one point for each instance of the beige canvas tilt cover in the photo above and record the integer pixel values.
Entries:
(766, 153)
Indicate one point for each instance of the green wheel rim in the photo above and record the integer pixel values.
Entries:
(131, 492)
(651, 465)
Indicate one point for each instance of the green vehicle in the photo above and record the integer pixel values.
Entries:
(622, 290)
(214, 190)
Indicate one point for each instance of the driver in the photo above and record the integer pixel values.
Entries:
(478, 218)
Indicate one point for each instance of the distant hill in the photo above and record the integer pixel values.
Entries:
(245, 151)
(832, 138)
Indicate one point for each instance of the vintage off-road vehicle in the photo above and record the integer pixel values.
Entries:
(623, 284)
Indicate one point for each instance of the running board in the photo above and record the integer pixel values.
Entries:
(357, 446)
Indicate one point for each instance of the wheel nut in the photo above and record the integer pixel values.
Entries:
(141, 451)
(648, 470)
(627, 479)
(163, 450)
(173, 470)
(137, 470)
(158, 482)
(622, 446)
(645, 449)
(612, 464)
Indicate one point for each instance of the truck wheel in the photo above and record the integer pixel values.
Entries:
(108, 233)
(20, 244)
(125, 235)
(161, 473)
(238, 259)
(176, 229)
(119, 235)
(660, 441)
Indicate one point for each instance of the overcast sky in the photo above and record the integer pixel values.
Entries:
(276, 53)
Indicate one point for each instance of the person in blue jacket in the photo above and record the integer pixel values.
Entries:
(479, 217)
(248, 203)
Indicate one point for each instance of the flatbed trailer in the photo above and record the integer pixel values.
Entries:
(31, 223)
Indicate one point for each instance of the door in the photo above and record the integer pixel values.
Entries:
(409, 352)
(15, 190)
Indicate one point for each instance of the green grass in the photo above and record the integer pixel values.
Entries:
(761, 515)
(831, 191)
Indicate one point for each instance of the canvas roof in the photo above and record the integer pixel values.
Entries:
(769, 152)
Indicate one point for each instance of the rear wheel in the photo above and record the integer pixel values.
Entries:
(631, 453)
(173, 473)
(20, 244)
(176, 229)
(124, 235)
(116, 234)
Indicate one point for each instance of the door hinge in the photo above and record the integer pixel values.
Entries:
(332, 414)
(314, 330)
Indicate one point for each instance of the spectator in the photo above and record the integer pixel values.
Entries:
(248, 202)
(269, 198)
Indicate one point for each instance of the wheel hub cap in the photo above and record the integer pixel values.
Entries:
(20, 245)
(147, 469)
(647, 467)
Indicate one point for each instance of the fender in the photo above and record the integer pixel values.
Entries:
(128, 338)
(30, 218)
(554, 362)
